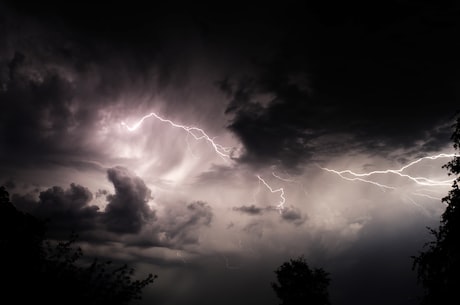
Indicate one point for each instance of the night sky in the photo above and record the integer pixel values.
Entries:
(204, 142)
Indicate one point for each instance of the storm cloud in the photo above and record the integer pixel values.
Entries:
(302, 108)
(65, 210)
(348, 82)
(251, 209)
(127, 210)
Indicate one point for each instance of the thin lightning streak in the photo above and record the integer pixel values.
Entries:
(282, 179)
(427, 196)
(195, 132)
(226, 154)
(200, 134)
(280, 206)
(290, 180)
(418, 205)
(340, 174)
(418, 180)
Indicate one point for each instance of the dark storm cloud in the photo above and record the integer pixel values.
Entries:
(66, 210)
(127, 210)
(36, 110)
(70, 209)
(126, 213)
(289, 214)
(251, 209)
(181, 223)
(325, 79)
(9, 184)
(369, 79)
(293, 215)
(176, 228)
(56, 85)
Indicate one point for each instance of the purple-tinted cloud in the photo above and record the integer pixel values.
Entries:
(127, 210)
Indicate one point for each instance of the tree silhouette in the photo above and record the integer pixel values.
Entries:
(438, 267)
(35, 270)
(299, 284)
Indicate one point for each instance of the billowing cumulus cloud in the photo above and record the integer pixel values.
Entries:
(65, 210)
(127, 210)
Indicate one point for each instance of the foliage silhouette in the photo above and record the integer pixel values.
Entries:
(438, 266)
(36, 270)
(299, 284)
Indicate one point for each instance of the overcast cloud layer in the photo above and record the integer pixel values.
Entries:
(279, 97)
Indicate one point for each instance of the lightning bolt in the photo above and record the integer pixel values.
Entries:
(341, 175)
(365, 177)
(281, 178)
(226, 154)
(197, 133)
(280, 206)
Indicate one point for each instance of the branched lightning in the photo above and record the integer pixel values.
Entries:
(341, 175)
(195, 132)
(280, 206)
(224, 152)
(365, 177)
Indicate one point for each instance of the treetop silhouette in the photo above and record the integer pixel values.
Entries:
(438, 266)
(297, 283)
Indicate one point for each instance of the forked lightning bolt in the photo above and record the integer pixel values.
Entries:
(280, 206)
(365, 177)
(226, 154)
(200, 134)
(195, 132)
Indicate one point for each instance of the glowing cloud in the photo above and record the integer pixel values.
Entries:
(197, 133)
